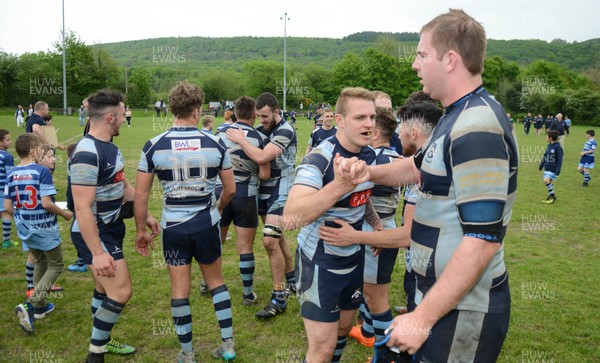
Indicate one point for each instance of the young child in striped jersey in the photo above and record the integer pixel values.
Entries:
(28, 197)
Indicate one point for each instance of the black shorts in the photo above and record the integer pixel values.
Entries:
(322, 294)
(465, 336)
(263, 207)
(111, 238)
(204, 246)
(274, 205)
(410, 284)
(242, 211)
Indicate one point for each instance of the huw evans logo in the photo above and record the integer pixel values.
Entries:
(167, 54)
(44, 86)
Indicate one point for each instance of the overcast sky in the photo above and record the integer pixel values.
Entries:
(33, 25)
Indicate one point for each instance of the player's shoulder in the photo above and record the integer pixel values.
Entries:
(386, 152)
(85, 144)
(210, 140)
(285, 128)
(248, 130)
(159, 137)
(478, 117)
(320, 158)
(5, 155)
(368, 154)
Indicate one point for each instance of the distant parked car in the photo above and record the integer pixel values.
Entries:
(229, 105)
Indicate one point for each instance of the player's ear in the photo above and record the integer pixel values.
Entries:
(339, 120)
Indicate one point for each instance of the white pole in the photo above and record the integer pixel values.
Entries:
(285, 19)
(64, 61)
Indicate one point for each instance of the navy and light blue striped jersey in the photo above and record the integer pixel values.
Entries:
(97, 163)
(221, 127)
(25, 186)
(589, 145)
(385, 199)
(411, 194)
(282, 167)
(6, 164)
(187, 162)
(316, 171)
(318, 135)
(467, 188)
(245, 170)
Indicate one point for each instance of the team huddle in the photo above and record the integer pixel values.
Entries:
(456, 168)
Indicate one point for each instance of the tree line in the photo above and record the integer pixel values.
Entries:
(540, 86)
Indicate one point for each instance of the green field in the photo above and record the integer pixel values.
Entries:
(552, 253)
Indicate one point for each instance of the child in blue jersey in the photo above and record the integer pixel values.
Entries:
(587, 157)
(48, 159)
(6, 165)
(28, 196)
(551, 164)
(208, 123)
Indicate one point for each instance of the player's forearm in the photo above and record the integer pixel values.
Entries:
(37, 129)
(464, 269)
(401, 172)
(256, 154)
(302, 210)
(128, 192)
(264, 171)
(387, 238)
(371, 215)
(140, 211)
(225, 198)
(51, 207)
